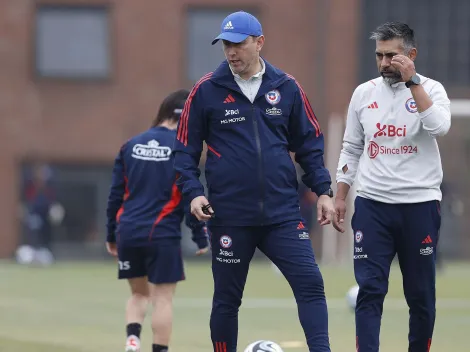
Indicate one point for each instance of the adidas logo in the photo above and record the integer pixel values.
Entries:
(228, 25)
(373, 106)
(300, 226)
(427, 240)
(229, 99)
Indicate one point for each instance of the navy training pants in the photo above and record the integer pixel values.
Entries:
(382, 230)
(289, 247)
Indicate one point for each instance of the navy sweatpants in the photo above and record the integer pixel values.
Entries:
(289, 247)
(382, 230)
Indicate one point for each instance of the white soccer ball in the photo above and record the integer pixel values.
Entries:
(44, 257)
(351, 296)
(25, 254)
(263, 346)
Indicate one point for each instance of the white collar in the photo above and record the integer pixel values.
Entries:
(257, 75)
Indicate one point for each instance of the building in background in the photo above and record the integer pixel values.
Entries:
(80, 77)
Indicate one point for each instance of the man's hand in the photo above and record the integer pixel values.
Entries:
(338, 221)
(405, 65)
(196, 208)
(111, 247)
(325, 210)
(202, 251)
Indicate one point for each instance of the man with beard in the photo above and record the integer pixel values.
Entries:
(395, 120)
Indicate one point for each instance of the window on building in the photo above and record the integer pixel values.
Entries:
(72, 42)
(203, 25)
(441, 30)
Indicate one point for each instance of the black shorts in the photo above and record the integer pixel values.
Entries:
(160, 262)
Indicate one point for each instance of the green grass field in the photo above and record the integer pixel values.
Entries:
(73, 307)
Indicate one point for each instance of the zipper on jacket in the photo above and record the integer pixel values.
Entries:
(260, 162)
(394, 90)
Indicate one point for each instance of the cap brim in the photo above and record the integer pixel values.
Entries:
(231, 37)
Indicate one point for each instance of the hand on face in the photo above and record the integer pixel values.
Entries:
(404, 65)
(393, 65)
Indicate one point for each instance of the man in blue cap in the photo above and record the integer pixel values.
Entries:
(251, 116)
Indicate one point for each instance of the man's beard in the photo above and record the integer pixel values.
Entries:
(392, 79)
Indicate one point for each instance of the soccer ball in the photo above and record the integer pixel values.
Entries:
(25, 254)
(351, 297)
(263, 346)
(44, 257)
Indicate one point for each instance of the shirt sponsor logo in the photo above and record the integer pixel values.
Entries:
(274, 111)
(231, 112)
(152, 151)
(232, 120)
(389, 131)
(374, 149)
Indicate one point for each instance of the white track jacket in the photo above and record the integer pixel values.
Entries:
(390, 146)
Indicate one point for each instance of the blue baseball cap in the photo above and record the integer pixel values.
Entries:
(238, 26)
